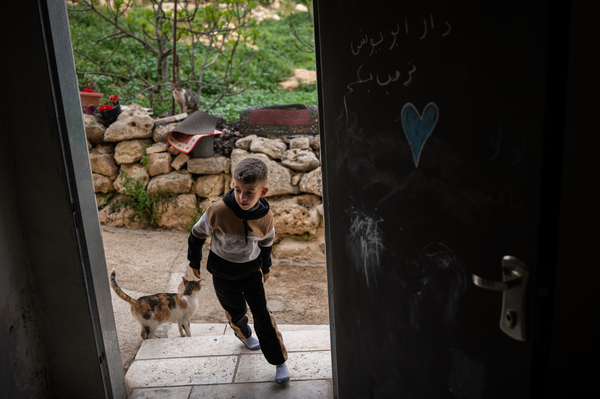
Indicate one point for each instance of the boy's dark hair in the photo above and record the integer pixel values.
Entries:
(251, 170)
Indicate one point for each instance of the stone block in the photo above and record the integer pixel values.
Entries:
(312, 182)
(159, 163)
(272, 147)
(136, 171)
(133, 123)
(209, 166)
(130, 151)
(103, 164)
(210, 186)
(183, 371)
(300, 143)
(179, 161)
(280, 177)
(177, 182)
(161, 130)
(157, 147)
(244, 142)
(300, 160)
(94, 130)
(102, 184)
(301, 365)
(295, 215)
(177, 213)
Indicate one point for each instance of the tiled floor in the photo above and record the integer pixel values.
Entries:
(215, 364)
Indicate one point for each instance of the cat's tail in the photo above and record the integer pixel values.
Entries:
(118, 290)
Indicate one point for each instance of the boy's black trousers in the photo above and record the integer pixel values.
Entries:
(233, 295)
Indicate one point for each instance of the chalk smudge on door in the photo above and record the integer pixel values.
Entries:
(365, 243)
(441, 282)
(467, 376)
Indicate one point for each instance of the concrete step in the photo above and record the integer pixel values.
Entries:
(214, 361)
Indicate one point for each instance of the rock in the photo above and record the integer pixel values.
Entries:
(295, 215)
(310, 251)
(300, 160)
(315, 143)
(103, 164)
(228, 184)
(296, 178)
(161, 130)
(210, 186)
(280, 177)
(159, 163)
(300, 143)
(301, 8)
(157, 147)
(120, 216)
(173, 151)
(133, 123)
(179, 161)
(131, 151)
(89, 145)
(103, 149)
(320, 210)
(312, 182)
(273, 148)
(94, 130)
(177, 182)
(136, 171)
(244, 142)
(102, 184)
(209, 166)
(102, 199)
(179, 213)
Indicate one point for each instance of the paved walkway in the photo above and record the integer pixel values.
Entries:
(214, 364)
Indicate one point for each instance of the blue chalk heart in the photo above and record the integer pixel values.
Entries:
(418, 128)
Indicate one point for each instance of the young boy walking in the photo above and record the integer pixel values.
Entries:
(241, 226)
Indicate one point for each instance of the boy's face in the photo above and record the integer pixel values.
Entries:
(247, 195)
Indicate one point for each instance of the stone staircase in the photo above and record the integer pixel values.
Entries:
(213, 363)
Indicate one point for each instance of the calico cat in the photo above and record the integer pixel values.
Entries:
(154, 310)
(186, 99)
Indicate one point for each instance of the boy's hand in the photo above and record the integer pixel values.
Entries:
(266, 277)
(196, 273)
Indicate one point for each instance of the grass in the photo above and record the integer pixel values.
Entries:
(275, 60)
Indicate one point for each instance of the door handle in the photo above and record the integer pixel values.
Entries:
(515, 275)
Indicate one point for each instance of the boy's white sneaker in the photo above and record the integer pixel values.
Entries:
(282, 374)
(251, 343)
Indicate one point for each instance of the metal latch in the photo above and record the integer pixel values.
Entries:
(515, 275)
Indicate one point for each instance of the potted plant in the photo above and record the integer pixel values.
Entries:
(111, 111)
(89, 98)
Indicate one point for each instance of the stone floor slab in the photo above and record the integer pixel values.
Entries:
(182, 371)
(199, 330)
(304, 341)
(302, 366)
(218, 345)
(313, 389)
(161, 393)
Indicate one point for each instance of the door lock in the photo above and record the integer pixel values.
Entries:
(515, 275)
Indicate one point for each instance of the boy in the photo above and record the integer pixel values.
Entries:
(241, 226)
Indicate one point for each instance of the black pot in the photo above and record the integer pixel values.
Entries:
(109, 116)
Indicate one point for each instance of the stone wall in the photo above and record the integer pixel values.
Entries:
(136, 143)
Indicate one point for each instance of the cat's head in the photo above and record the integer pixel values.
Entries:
(190, 287)
(176, 86)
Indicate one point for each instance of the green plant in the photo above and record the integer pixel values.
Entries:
(197, 215)
(137, 199)
(304, 237)
(107, 199)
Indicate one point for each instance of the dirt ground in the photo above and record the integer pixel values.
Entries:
(149, 262)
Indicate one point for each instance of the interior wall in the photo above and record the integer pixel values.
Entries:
(49, 223)
(22, 354)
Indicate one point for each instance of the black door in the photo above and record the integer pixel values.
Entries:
(438, 128)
